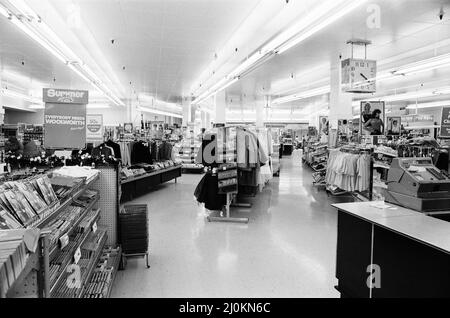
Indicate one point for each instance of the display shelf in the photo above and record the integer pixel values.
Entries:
(115, 270)
(385, 153)
(380, 165)
(59, 208)
(78, 245)
(154, 173)
(32, 264)
(54, 248)
(77, 292)
(93, 263)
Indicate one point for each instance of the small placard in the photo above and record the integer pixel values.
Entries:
(63, 241)
(94, 227)
(77, 255)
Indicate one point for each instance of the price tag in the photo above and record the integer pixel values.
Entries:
(64, 240)
(77, 255)
(94, 227)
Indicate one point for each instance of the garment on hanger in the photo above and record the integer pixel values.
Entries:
(140, 153)
(115, 147)
(207, 192)
(101, 150)
(347, 171)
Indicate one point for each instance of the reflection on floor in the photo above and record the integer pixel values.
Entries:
(286, 250)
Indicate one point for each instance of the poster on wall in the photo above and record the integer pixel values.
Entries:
(445, 123)
(323, 125)
(372, 118)
(94, 127)
(65, 126)
(393, 126)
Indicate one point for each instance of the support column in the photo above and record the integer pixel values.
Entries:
(186, 111)
(203, 117)
(208, 121)
(260, 116)
(340, 102)
(220, 104)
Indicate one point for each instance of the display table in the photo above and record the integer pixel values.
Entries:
(412, 250)
(134, 187)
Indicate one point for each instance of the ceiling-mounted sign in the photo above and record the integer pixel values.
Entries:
(64, 126)
(94, 127)
(65, 96)
(358, 75)
(445, 123)
(65, 118)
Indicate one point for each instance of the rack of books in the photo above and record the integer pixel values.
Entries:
(66, 213)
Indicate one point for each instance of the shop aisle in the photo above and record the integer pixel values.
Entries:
(287, 249)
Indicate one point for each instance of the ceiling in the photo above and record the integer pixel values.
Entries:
(171, 49)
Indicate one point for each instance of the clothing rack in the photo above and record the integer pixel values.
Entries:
(227, 171)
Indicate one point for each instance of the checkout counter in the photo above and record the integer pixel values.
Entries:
(406, 237)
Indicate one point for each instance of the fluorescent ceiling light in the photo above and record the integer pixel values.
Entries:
(159, 112)
(317, 15)
(37, 38)
(36, 106)
(29, 22)
(212, 92)
(425, 65)
(290, 38)
(97, 106)
(306, 94)
(27, 98)
(429, 105)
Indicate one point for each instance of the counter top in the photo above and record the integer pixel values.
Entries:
(413, 224)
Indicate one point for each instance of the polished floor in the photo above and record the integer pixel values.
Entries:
(286, 250)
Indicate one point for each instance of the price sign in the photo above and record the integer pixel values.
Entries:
(64, 240)
(94, 227)
(77, 255)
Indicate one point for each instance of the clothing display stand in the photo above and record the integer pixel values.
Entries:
(227, 174)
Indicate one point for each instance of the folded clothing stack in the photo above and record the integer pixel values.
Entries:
(77, 172)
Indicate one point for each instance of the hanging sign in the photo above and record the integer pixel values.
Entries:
(445, 123)
(64, 118)
(94, 127)
(65, 96)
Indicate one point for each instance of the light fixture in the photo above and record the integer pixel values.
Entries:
(158, 112)
(97, 106)
(302, 95)
(339, 9)
(429, 105)
(308, 26)
(27, 98)
(225, 83)
(425, 65)
(36, 106)
(30, 23)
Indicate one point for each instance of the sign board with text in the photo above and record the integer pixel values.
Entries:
(445, 123)
(94, 127)
(65, 118)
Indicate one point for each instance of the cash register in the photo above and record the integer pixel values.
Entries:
(417, 184)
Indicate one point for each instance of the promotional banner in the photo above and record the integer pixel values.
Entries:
(65, 126)
(445, 123)
(65, 96)
(372, 118)
(65, 118)
(323, 125)
(94, 127)
(394, 125)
